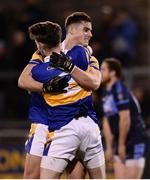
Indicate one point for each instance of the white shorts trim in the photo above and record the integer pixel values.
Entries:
(54, 164)
(97, 161)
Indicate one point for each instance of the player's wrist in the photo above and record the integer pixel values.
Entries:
(43, 89)
(70, 67)
(121, 143)
(73, 69)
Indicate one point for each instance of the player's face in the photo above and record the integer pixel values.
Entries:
(105, 73)
(83, 33)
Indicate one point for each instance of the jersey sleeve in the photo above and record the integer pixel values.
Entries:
(94, 63)
(122, 97)
(44, 72)
(79, 57)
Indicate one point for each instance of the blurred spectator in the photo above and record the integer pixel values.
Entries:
(3, 29)
(97, 50)
(65, 14)
(103, 35)
(144, 100)
(3, 56)
(21, 50)
(123, 34)
(2, 104)
(30, 14)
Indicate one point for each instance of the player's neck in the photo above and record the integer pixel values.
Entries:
(69, 43)
(111, 83)
(48, 52)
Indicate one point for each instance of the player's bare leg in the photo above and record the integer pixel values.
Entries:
(97, 173)
(52, 168)
(135, 168)
(32, 167)
(76, 170)
(49, 174)
(119, 170)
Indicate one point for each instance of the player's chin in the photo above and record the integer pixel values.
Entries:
(86, 43)
(102, 81)
(105, 81)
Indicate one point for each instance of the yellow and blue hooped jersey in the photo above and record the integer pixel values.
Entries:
(65, 106)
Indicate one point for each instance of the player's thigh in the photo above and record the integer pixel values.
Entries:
(76, 170)
(60, 148)
(63, 143)
(119, 168)
(32, 167)
(135, 168)
(135, 161)
(92, 147)
(91, 144)
(134, 172)
(139, 173)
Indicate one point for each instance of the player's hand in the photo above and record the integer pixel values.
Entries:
(56, 85)
(61, 61)
(109, 154)
(122, 152)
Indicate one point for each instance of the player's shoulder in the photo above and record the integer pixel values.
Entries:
(79, 48)
(119, 86)
(77, 51)
(37, 55)
(93, 58)
(94, 62)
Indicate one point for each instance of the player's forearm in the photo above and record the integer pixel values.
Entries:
(26, 82)
(108, 136)
(29, 84)
(124, 125)
(88, 80)
(108, 140)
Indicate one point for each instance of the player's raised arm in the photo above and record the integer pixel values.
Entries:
(51, 85)
(90, 80)
(85, 74)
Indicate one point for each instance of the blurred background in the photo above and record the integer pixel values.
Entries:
(120, 29)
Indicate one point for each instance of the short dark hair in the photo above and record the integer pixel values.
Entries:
(114, 65)
(77, 17)
(46, 32)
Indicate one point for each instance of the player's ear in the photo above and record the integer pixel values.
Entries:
(71, 29)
